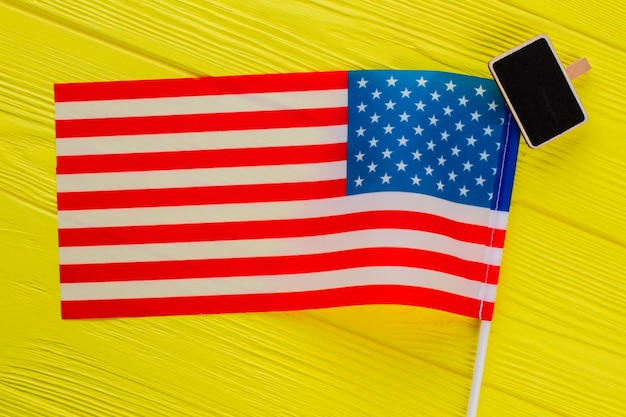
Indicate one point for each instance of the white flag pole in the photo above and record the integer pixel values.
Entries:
(479, 367)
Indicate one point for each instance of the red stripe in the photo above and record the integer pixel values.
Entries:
(279, 265)
(375, 294)
(487, 311)
(151, 125)
(199, 232)
(191, 196)
(214, 158)
(241, 84)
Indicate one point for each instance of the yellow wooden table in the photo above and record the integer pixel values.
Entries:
(558, 341)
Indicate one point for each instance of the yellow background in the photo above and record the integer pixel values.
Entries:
(558, 342)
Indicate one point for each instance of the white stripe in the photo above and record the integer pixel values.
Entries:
(499, 219)
(74, 255)
(172, 142)
(70, 219)
(488, 292)
(493, 256)
(276, 284)
(201, 177)
(226, 103)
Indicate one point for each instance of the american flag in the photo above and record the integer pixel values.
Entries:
(281, 192)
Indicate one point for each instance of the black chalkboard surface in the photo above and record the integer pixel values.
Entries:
(538, 91)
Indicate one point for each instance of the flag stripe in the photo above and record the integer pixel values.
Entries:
(247, 211)
(201, 104)
(200, 122)
(200, 195)
(280, 265)
(171, 142)
(359, 239)
(187, 87)
(248, 303)
(209, 177)
(197, 232)
(278, 284)
(214, 158)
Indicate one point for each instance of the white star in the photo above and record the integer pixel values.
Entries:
(490, 196)
(480, 91)
(387, 153)
(498, 145)
(459, 126)
(373, 142)
(463, 191)
(431, 145)
(402, 141)
(484, 155)
(480, 181)
(440, 186)
(376, 94)
(452, 176)
(388, 129)
(361, 107)
(372, 167)
(488, 130)
(435, 96)
(445, 135)
(442, 160)
(359, 156)
(375, 118)
(471, 141)
(501, 121)
(391, 81)
(450, 86)
(418, 130)
(390, 105)
(362, 82)
(385, 178)
(420, 106)
(358, 182)
(493, 105)
(360, 132)
(447, 111)
(455, 150)
(404, 117)
(429, 170)
(433, 120)
(463, 101)
(415, 180)
(416, 155)
(494, 170)
(467, 166)
(421, 82)
(401, 166)
(405, 93)
(475, 115)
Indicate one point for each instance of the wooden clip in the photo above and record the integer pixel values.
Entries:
(577, 68)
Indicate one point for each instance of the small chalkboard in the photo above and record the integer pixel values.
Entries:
(538, 91)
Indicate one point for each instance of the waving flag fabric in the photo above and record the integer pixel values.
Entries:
(281, 192)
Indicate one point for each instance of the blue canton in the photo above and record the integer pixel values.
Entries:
(427, 132)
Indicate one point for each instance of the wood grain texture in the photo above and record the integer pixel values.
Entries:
(559, 330)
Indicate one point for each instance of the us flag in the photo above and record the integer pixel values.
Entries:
(281, 192)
